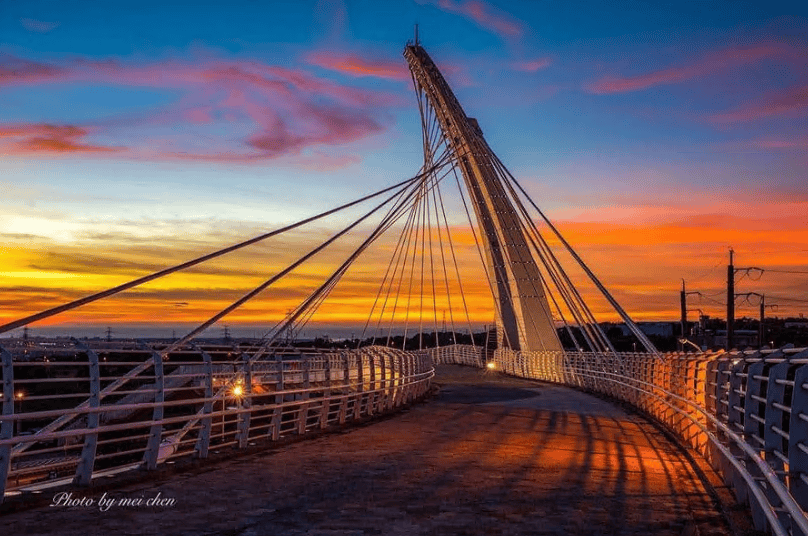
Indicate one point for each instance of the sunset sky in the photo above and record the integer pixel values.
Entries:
(135, 135)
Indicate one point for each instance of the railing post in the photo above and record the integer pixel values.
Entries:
(798, 439)
(277, 412)
(736, 423)
(406, 372)
(203, 441)
(413, 367)
(751, 433)
(326, 391)
(712, 404)
(150, 456)
(7, 426)
(84, 471)
(396, 366)
(244, 403)
(385, 398)
(360, 384)
(374, 395)
(303, 411)
(346, 390)
(776, 420)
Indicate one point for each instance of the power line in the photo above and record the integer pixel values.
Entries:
(705, 274)
(714, 301)
(798, 300)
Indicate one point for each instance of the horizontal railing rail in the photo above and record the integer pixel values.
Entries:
(746, 412)
(72, 414)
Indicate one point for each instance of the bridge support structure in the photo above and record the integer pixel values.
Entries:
(524, 318)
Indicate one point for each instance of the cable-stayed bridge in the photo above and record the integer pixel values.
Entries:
(74, 413)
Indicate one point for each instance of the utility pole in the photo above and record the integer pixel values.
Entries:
(683, 307)
(730, 301)
(761, 327)
(731, 271)
(683, 303)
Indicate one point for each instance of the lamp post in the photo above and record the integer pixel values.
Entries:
(18, 396)
(234, 391)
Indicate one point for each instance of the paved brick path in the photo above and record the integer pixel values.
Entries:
(489, 455)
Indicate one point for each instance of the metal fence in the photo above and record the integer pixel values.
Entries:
(746, 412)
(73, 414)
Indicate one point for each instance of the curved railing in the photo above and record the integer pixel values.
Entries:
(73, 414)
(746, 412)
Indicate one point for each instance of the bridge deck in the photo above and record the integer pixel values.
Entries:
(490, 455)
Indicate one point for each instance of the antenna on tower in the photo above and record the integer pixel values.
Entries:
(416, 34)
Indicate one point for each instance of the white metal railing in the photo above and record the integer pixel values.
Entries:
(72, 413)
(746, 412)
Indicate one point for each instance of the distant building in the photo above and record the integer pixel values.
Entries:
(658, 329)
(743, 338)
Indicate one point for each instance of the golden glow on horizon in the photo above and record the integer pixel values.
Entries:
(640, 261)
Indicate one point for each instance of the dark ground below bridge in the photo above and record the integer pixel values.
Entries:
(488, 455)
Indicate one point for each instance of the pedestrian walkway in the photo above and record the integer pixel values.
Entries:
(489, 455)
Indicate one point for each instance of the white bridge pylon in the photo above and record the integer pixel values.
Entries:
(512, 244)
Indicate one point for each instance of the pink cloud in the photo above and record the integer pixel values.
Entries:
(15, 70)
(286, 110)
(792, 102)
(328, 126)
(798, 143)
(707, 65)
(779, 143)
(483, 15)
(354, 65)
(42, 138)
(532, 66)
(38, 26)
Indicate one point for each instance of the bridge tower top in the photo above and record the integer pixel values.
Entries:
(524, 318)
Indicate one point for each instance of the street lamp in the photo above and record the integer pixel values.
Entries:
(236, 392)
(18, 396)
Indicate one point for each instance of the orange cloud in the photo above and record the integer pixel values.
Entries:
(354, 65)
(709, 64)
(43, 138)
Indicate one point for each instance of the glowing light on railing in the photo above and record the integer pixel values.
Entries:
(491, 365)
(238, 390)
(20, 395)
